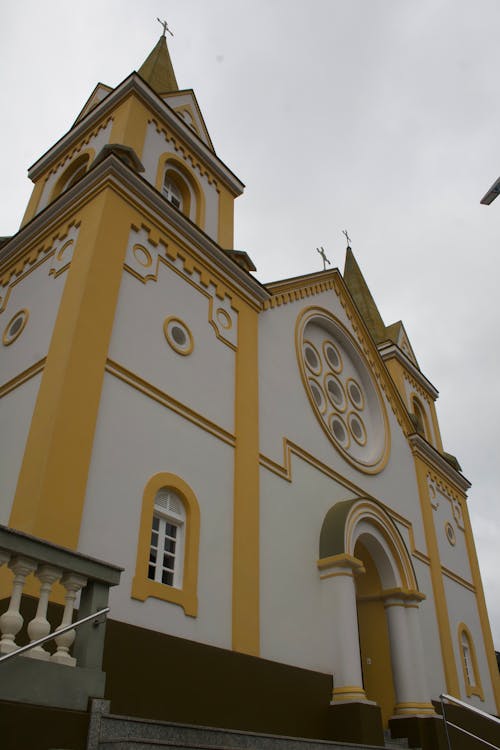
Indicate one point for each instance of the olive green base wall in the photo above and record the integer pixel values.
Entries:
(152, 675)
(26, 727)
(478, 725)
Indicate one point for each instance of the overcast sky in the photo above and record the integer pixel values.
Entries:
(379, 116)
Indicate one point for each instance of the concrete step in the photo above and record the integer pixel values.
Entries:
(130, 733)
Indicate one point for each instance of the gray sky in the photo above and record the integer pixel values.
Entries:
(379, 116)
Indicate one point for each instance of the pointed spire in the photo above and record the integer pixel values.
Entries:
(362, 296)
(157, 69)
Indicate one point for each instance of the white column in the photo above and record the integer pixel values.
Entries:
(347, 675)
(420, 677)
(11, 621)
(72, 583)
(39, 625)
(407, 684)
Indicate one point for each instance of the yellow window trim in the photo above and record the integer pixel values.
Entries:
(476, 688)
(84, 158)
(170, 160)
(142, 587)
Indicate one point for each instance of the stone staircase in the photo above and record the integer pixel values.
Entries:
(113, 732)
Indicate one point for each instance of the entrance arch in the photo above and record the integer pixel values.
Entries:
(371, 576)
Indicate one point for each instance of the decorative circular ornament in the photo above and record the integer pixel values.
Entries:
(335, 392)
(312, 358)
(178, 336)
(15, 327)
(63, 249)
(339, 431)
(357, 428)
(142, 256)
(347, 401)
(332, 356)
(450, 533)
(318, 395)
(223, 319)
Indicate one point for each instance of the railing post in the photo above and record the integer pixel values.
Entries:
(89, 644)
(11, 621)
(72, 583)
(39, 625)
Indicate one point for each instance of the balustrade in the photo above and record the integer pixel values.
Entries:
(86, 582)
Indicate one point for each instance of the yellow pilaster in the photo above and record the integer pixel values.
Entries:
(481, 607)
(130, 122)
(246, 636)
(226, 220)
(443, 620)
(33, 201)
(51, 487)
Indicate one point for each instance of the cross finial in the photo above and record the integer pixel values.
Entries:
(321, 251)
(165, 27)
(344, 232)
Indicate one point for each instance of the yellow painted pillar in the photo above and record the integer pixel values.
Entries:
(246, 561)
(51, 487)
(481, 607)
(440, 604)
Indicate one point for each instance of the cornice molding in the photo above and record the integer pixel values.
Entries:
(424, 450)
(141, 193)
(389, 350)
(135, 85)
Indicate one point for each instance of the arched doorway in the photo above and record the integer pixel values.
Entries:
(371, 577)
(374, 644)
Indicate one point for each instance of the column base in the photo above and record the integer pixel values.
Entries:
(357, 722)
(426, 732)
(349, 694)
(414, 708)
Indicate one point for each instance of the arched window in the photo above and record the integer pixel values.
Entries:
(71, 175)
(167, 539)
(171, 192)
(167, 550)
(469, 662)
(176, 190)
(421, 423)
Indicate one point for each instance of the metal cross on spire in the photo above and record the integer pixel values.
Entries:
(321, 251)
(165, 27)
(344, 232)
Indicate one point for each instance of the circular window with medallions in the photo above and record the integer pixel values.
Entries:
(343, 394)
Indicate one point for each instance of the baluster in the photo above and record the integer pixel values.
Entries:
(40, 626)
(72, 583)
(4, 557)
(11, 621)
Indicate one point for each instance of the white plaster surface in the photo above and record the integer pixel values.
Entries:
(203, 380)
(462, 607)
(16, 409)
(155, 146)
(95, 143)
(135, 439)
(179, 101)
(454, 557)
(40, 294)
(286, 412)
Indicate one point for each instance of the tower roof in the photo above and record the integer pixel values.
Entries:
(362, 296)
(157, 69)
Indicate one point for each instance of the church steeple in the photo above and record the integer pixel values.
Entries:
(157, 69)
(363, 297)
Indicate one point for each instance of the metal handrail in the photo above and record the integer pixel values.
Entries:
(56, 633)
(444, 697)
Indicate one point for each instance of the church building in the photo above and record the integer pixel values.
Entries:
(251, 477)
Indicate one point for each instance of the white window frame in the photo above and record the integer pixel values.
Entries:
(172, 192)
(169, 513)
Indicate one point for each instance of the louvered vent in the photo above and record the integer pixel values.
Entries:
(168, 502)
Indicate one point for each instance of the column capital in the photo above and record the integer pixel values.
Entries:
(339, 565)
